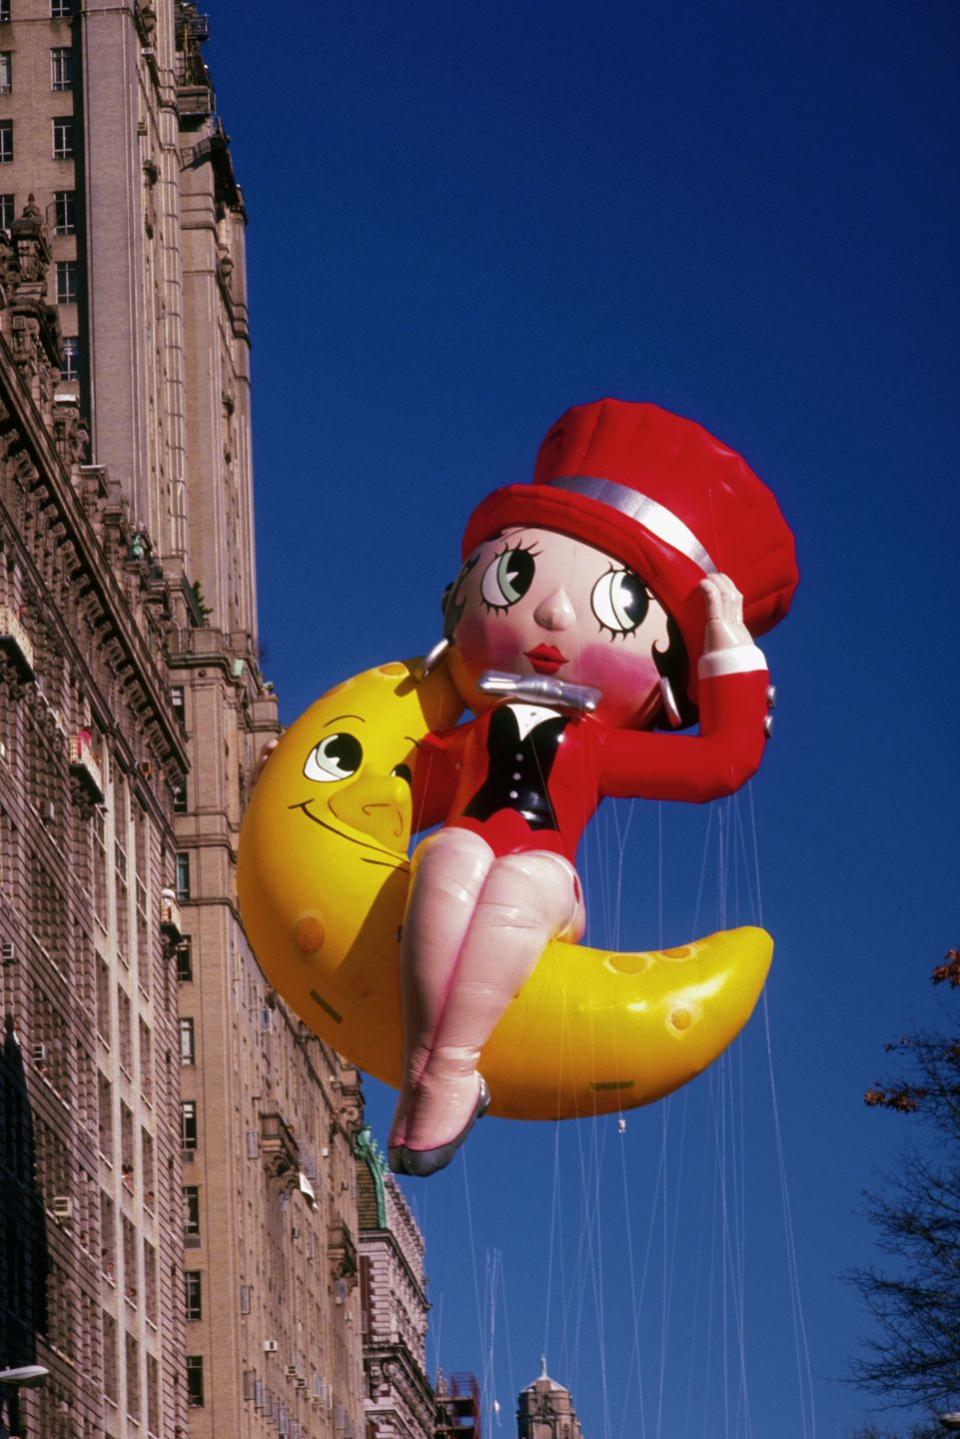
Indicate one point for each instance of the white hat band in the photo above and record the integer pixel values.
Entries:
(650, 513)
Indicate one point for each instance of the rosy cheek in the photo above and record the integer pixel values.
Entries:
(487, 641)
(621, 674)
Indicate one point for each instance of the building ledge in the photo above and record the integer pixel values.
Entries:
(278, 1145)
(14, 640)
(341, 1251)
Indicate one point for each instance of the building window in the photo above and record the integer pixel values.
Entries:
(6, 71)
(63, 137)
(7, 211)
(191, 1211)
(71, 357)
(180, 799)
(61, 68)
(153, 1395)
(195, 1381)
(185, 960)
(183, 876)
(188, 1124)
(67, 273)
(6, 142)
(61, 9)
(65, 212)
(245, 1298)
(194, 1305)
(188, 1050)
(111, 1381)
(4, 10)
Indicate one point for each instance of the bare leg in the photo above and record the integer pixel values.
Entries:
(527, 900)
(449, 871)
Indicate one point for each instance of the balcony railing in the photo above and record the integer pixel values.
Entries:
(195, 94)
(278, 1144)
(14, 639)
(84, 767)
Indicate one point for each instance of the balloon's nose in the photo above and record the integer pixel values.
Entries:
(377, 806)
(555, 612)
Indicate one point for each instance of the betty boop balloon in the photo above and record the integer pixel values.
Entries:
(615, 599)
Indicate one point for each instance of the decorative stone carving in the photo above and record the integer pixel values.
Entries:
(31, 243)
(70, 431)
(349, 1117)
(341, 1253)
(32, 325)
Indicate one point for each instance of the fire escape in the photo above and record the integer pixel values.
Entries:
(458, 1407)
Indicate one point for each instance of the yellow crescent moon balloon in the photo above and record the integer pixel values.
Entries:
(322, 878)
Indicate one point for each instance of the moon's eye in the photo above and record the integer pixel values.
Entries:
(402, 771)
(336, 757)
(620, 601)
(507, 578)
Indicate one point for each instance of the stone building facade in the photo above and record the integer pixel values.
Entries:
(399, 1401)
(91, 756)
(179, 1190)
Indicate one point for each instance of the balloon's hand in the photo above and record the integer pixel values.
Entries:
(725, 629)
(262, 758)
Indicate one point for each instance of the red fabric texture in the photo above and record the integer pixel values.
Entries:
(594, 761)
(680, 465)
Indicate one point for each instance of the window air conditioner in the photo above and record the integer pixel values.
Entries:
(269, 1346)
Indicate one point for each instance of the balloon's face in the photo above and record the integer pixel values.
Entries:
(348, 775)
(535, 602)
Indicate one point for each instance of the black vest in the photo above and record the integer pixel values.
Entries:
(519, 769)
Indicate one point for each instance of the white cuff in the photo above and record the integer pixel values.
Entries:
(742, 659)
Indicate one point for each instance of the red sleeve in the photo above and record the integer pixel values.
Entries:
(715, 762)
(436, 773)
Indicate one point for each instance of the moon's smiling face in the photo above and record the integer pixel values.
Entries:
(355, 782)
(325, 836)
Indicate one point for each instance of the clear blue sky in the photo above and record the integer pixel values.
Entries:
(464, 218)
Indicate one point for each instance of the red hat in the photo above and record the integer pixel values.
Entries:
(661, 495)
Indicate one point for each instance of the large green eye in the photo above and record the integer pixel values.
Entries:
(337, 757)
(507, 578)
(620, 601)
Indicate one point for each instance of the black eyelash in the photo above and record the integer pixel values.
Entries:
(615, 634)
(531, 550)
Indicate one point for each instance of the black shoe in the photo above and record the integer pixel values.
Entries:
(395, 1157)
(424, 1162)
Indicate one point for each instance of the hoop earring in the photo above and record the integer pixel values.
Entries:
(433, 657)
(669, 701)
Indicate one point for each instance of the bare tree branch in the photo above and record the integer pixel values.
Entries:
(912, 1355)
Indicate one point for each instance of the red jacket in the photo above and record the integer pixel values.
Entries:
(593, 762)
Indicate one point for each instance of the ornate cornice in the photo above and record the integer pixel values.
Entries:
(86, 528)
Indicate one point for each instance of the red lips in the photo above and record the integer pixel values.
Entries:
(546, 659)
